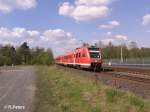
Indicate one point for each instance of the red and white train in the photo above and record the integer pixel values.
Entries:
(85, 57)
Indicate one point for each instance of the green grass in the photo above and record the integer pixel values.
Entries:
(61, 90)
(113, 95)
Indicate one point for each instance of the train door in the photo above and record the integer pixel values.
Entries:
(74, 56)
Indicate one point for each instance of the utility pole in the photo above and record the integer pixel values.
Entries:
(121, 55)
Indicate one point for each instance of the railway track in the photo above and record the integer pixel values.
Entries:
(132, 77)
(125, 80)
(135, 74)
(143, 71)
(132, 74)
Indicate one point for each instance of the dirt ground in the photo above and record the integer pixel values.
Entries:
(17, 87)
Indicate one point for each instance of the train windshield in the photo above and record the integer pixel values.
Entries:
(93, 49)
(94, 54)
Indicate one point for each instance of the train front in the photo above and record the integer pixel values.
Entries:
(95, 58)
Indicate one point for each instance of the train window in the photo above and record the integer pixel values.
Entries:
(93, 49)
(94, 54)
(83, 55)
(79, 54)
(65, 57)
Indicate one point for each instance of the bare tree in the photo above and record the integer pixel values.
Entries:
(99, 44)
(85, 44)
(133, 45)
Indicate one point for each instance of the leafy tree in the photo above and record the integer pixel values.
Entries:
(24, 53)
(8, 55)
(42, 57)
(114, 52)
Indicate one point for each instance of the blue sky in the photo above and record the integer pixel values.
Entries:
(62, 24)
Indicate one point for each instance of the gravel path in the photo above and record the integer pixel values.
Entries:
(17, 86)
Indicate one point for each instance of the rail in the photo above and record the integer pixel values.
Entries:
(126, 65)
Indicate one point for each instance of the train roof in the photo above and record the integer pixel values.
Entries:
(78, 49)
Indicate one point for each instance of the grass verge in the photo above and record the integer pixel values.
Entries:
(60, 90)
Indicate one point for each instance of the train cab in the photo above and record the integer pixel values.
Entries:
(95, 56)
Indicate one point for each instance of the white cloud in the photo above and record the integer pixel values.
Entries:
(93, 2)
(119, 37)
(33, 33)
(59, 40)
(85, 10)
(66, 9)
(116, 39)
(109, 34)
(107, 41)
(146, 19)
(17, 35)
(7, 6)
(56, 34)
(110, 25)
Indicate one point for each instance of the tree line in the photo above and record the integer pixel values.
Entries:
(114, 52)
(111, 51)
(9, 55)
